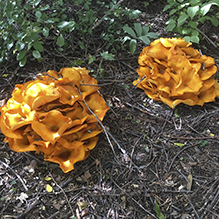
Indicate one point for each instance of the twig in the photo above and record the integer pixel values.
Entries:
(109, 134)
(65, 183)
(138, 108)
(106, 14)
(215, 199)
(101, 124)
(22, 182)
(185, 148)
(197, 216)
(96, 85)
(148, 212)
(63, 193)
(29, 208)
(206, 37)
(191, 138)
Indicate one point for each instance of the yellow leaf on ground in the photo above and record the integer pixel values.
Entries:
(49, 188)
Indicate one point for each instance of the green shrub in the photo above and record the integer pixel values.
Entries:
(27, 26)
(187, 15)
(139, 33)
(24, 24)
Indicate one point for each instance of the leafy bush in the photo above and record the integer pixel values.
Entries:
(139, 32)
(187, 15)
(27, 26)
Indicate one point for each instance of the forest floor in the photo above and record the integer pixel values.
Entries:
(161, 157)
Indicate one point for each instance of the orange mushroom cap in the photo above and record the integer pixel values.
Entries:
(38, 93)
(51, 125)
(173, 72)
(50, 115)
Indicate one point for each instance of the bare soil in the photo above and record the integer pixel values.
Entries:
(154, 152)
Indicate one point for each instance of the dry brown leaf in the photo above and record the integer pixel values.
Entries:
(189, 184)
(87, 174)
(82, 205)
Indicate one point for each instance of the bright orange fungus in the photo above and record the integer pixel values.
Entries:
(173, 72)
(50, 115)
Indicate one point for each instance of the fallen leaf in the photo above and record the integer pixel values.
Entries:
(56, 205)
(49, 188)
(82, 205)
(189, 184)
(185, 216)
(87, 174)
(179, 144)
(23, 196)
(134, 185)
(47, 178)
(97, 162)
(79, 179)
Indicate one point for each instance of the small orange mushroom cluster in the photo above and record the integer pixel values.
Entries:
(173, 72)
(56, 114)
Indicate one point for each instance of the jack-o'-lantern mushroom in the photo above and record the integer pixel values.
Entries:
(52, 115)
(170, 70)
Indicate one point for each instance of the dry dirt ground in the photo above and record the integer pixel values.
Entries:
(154, 153)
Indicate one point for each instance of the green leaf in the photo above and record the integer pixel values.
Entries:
(138, 121)
(138, 29)
(173, 11)
(157, 209)
(33, 36)
(52, 20)
(44, 8)
(81, 44)
(132, 45)
(129, 30)
(91, 59)
(205, 9)
(38, 46)
(152, 35)
(10, 45)
(36, 29)
(194, 2)
(36, 2)
(214, 21)
(192, 11)
(21, 55)
(187, 38)
(107, 56)
(195, 33)
(76, 62)
(186, 30)
(176, 114)
(63, 24)
(23, 61)
(145, 30)
(36, 54)
(195, 39)
(179, 144)
(71, 25)
(167, 7)
(171, 24)
(46, 31)
(38, 14)
(182, 19)
(125, 39)
(193, 24)
(20, 45)
(145, 39)
(60, 41)
(202, 143)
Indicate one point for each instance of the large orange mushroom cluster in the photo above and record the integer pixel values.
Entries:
(56, 114)
(170, 70)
